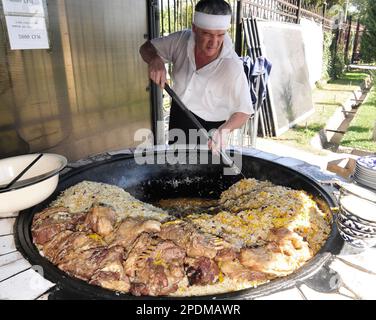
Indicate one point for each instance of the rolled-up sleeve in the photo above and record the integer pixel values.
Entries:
(241, 95)
(167, 46)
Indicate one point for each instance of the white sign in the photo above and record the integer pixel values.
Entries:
(27, 33)
(32, 7)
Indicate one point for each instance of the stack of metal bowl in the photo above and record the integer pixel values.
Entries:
(357, 220)
(365, 171)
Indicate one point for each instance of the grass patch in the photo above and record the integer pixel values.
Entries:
(359, 134)
(351, 78)
(301, 134)
(326, 99)
(337, 91)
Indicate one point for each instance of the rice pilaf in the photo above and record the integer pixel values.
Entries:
(251, 212)
(82, 196)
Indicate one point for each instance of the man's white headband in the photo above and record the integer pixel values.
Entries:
(211, 21)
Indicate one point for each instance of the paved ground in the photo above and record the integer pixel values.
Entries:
(362, 67)
(275, 147)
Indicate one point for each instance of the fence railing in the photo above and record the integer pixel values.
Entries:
(177, 14)
(274, 10)
(285, 11)
(291, 11)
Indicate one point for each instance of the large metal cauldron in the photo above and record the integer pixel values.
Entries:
(150, 182)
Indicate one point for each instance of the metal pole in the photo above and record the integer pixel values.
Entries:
(186, 13)
(355, 41)
(348, 40)
(161, 18)
(155, 92)
(238, 34)
(299, 12)
(346, 9)
(169, 16)
(323, 12)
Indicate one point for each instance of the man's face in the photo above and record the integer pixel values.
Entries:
(209, 42)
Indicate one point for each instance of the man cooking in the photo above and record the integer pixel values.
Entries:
(207, 74)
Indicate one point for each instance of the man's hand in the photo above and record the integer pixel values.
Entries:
(157, 71)
(220, 136)
(219, 140)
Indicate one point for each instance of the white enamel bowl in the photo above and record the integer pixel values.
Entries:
(36, 185)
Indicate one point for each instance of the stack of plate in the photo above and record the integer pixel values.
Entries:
(356, 221)
(365, 171)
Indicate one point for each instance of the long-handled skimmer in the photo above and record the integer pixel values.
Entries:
(226, 159)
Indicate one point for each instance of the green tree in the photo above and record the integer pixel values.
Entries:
(360, 6)
(368, 42)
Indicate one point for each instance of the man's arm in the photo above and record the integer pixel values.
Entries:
(157, 70)
(237, 120)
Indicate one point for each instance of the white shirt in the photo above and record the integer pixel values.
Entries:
(215, 91)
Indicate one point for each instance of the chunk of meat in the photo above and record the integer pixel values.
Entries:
(151, 280)
(84, 265)
(52, 248)
(48, 213)
(101, 220)
(113, 280)
(67, 245)
(90, 263)
(128, 231)
(111, 274)
(226, 254)
(154, 266)
(196, 243)
(236, 271)
(289, 243)
(51, 221)
(76, 244)
(282, 255)
(201, 271)
(230, 266)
